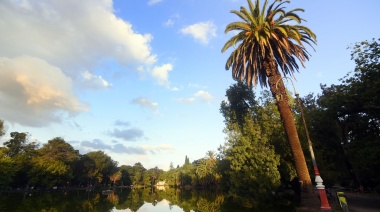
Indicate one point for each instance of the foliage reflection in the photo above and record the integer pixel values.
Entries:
(119, 199)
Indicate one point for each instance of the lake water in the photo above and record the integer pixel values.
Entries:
(141, 200)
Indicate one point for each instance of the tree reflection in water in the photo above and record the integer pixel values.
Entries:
(148, 199)
(113, 198)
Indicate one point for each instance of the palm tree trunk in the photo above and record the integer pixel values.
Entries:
(279, 92)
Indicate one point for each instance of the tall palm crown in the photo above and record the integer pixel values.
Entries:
(266, 41)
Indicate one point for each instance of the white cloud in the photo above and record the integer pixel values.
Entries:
(190, 100)
(60, 39)
(93, 81)
(152, 2)
(154, 149)
(33, 92)
(144, 102)
(169, 23)
(161, 74)
(71, 35)
(202, 31)
(204, 96)
(193, 85)
(173, 18)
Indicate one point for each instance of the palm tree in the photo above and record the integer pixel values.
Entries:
(269, 40)
(206, 170)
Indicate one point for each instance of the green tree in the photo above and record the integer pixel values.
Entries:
(266, 43)
(137, 174)
(186, 175)
(58, 149)
(152, 176)
(253, 173)
(99, 166)
(18, 144)
(325, 134)
(54, 163)
(2, 131)
(80, 172)
(365, 84)
(48, 173)
(171, 177)
(265, 112)
(269, 119)
(187, 161)
(353, 106)
(241, 100)
(7, 169)
(126, 173)
(22, 152)
(115, 177)
(206, 170)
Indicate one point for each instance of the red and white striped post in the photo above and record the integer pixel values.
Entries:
(318, 180)
(325, 206)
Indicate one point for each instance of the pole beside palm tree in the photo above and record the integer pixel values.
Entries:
(269, 40)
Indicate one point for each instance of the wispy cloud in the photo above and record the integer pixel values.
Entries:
(152, 2)
(200, 95)
(144, 102)
(116, 147)
(97, 144)
(159, 148)
(132, 134)
(204, 96)
(202, 31)
(161, 74)
(169, 23)
(122, 123)
(120, 148)
(194, 85)
(190, 100)
(172, 20)
(93, 81)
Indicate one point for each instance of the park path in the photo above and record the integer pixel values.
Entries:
(357, 202)
(362, 202)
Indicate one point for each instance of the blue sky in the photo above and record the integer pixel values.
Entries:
(143, 80)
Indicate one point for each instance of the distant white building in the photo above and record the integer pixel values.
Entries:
(161, 183)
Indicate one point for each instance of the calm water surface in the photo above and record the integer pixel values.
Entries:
(141, 200)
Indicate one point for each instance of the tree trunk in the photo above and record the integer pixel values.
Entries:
(350, 167)
(278, 90)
